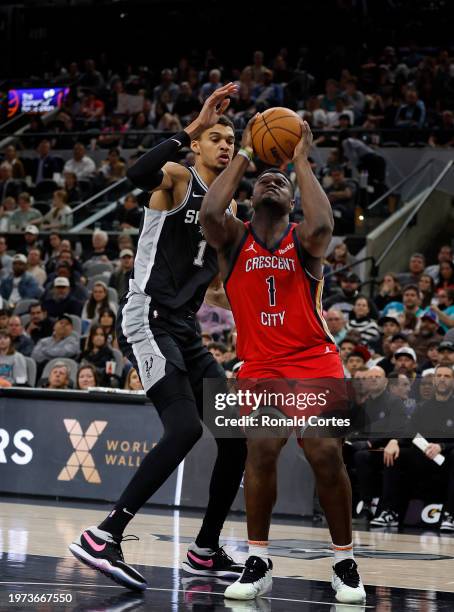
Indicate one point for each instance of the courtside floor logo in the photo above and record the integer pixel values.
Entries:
(82, 443)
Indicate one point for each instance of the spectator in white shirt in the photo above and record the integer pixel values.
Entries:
(82, 165)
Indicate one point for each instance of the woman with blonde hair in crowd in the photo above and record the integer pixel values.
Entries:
(132, 382)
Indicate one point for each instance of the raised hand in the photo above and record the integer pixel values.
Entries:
(216, 105)
(303, 148)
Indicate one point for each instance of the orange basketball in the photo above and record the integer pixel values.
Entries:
(275, 134)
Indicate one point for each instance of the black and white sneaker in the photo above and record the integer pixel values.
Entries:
(217, 564)
(255, 580)
(100, 550)
(447, 522)
(347, 582)
(387, 518)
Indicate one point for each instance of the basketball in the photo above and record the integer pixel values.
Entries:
(275, 134)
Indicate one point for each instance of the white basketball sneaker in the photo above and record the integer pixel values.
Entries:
(255, 580)
(347, 583)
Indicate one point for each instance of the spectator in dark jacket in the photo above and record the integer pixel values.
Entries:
(98, 353)
(62, 300)
(45, 165)
(129, 214)
(39, 326)
(119, 279)
(21, 342)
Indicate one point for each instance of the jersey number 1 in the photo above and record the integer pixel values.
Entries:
(271, 290)
(198, 260)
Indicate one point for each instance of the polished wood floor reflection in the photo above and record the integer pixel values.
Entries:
(402, 571)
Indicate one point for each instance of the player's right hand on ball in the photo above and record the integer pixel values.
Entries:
(246, 139)
(216, 105)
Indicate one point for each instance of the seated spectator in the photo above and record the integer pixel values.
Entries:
(45, 165)
(4, 318)
(389, 291)
(409, 310)
(218, 350)
(62, 343)
(39, 325)
(59, 216)
(80, 164)
(100, 253)
(186, 104)
(31, 240)
(138, 122)
(445, 253)
(390, 325)
(58, 378)
(426, 389)
(444, 309)
(8, 186)
(446, 353)
(71, 189)
(340, 257)
(406, 362)
(166, 85)
(52, 250)
(361, 322)
(214, 83)
(446, 278)
(337, 324)
(99, 298)
(426, 333)
(132, 382)
(21, 341)
(112, 133)
(20, 285)
(62, 300)
(412, 114)
(400, 385)
(215, 320)
(426, 286)
(98, 353)
(7, 209)
(12, 158)
(349, 291)
(6, 261)
(107, 318)
(358, 358)
(92, 109)
(431, 358)
(384, 413)
(86, 377)
(433, 420)
(267, 93)
(13, 368)
(390, 345)
(443, 134)
(112, 168)
(66, 267)
(35, 266)
(416, 267)
(24, 215)
(329, 99)
(129, 214)
(125, 241)
(119, 279)
(341, 194)
(354, 98)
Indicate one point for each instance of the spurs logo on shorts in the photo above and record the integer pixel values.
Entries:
(148, 366)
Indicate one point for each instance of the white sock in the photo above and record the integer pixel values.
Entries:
(200, 551)
(342, 552)
(258, 549)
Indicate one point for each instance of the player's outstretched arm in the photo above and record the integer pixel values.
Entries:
(221, 228)
(153, 171)
(316, 229)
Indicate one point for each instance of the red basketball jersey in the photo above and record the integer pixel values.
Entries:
(276, 302)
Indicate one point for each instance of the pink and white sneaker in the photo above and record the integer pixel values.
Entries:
(211, 563)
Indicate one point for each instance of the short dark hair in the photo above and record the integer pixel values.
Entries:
(217, 346)
(411, 288)
(276, 171)
(223, 120)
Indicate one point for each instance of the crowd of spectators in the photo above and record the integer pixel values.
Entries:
(58, 302)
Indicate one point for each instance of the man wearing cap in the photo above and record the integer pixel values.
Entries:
(20, 285)
(426, 333)
(446, 353)
(119, 279)
(390, 346)
(406, 361)
(31, 240)
(345, 300)
(61, 301)
(62, 343)
(65, 268)
(390, 325)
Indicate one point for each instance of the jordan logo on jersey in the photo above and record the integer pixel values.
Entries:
(251, 248)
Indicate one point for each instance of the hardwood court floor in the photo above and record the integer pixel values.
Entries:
(401, 571)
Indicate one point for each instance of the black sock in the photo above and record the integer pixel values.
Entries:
(116, 521)
(225, 481)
